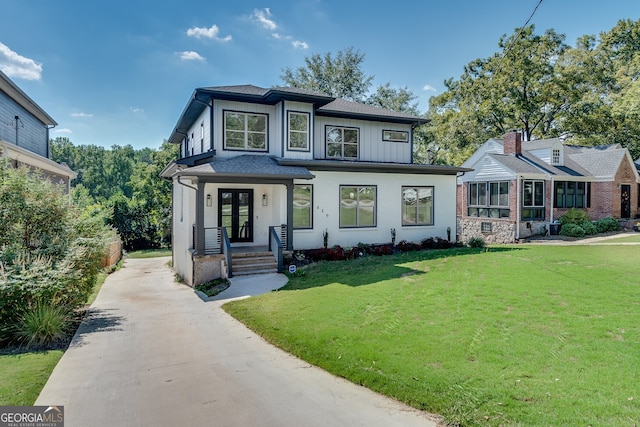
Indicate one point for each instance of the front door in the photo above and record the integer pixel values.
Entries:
(235, 213)
(625, 201)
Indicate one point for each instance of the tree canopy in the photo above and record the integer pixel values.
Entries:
(544, 88)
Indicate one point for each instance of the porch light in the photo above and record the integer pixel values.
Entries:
(208, 199)
(265, 200)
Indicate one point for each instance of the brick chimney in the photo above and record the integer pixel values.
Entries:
(512, 143)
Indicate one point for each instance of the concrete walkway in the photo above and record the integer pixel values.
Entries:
(152, 353)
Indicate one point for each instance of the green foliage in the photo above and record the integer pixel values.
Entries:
(572, 230)
(606, 225)
(476, 242)
(51, 252)
(125, 186)
(341, 76)
(537, 84)
(42, 325)
(213, 287)
(588, 227)
(574, 216)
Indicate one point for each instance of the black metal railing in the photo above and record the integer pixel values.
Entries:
(275, 244)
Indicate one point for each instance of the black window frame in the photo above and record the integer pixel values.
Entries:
(296, 227)
(481, 193)
(245, 131)
(417, 189)
(356, 198)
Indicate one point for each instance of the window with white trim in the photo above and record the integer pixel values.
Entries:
(342, 142)
(532, 200)
(417, 205)
(555, 156)
(298, 131)
(245, 131)
(357, 206)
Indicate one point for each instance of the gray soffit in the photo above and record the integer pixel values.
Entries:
(373, 167)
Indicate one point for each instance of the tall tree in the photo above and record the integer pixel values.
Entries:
(516, 88)
(339, 76)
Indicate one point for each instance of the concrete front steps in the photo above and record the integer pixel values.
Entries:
(245, 263)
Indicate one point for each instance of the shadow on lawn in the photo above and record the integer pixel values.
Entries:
(374, 269)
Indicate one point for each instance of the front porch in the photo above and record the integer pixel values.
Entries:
(215, 246)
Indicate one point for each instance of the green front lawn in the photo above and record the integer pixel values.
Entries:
(522, 335)
(23, 376)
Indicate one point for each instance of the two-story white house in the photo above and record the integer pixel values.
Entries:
(286, 168)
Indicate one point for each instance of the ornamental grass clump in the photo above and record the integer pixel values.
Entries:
(43, 325)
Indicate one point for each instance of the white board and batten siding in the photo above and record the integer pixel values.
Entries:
(371, 147)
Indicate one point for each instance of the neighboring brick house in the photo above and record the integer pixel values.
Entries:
(24, 134)
(285, 167)
(518, 188)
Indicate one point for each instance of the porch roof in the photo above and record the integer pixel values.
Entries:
(246, 166)
(374, 167)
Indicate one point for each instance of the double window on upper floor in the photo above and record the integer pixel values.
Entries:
(245, 131)
(342, 142)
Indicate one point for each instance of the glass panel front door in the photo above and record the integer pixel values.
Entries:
(235, 213)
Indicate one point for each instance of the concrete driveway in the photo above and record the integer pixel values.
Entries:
(152, 353)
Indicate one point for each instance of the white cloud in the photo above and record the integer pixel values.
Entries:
(137, 110)
(263, 17)
(62, 130)
(190, 55)
(82, 115)
(207, 33)
(14, 65)
(429, 88)
(300, 45)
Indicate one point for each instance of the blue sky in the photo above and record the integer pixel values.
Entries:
(120, 72)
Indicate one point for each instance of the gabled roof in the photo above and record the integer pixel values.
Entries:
(323, 104)
(14, 92)
(598, 162)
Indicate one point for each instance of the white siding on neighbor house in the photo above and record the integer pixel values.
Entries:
(303, 108)
(488, 169)
(326, 216)
(371, 147)
(274, 133)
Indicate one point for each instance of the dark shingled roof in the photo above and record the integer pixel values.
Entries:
(248, 165)
(324, 105)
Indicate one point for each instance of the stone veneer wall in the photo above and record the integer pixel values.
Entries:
(207, 268)
(501, 231)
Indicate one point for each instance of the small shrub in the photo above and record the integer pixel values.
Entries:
(574, 216)
(42, 326)
(213, 287)
(383, 250)
(589, 228)
(405, 246)
(572, 230)
(435, 243)
(476, 242)
(606, 225)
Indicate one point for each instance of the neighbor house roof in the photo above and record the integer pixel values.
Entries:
(15, 93)
(598, 162)
(324, 105)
